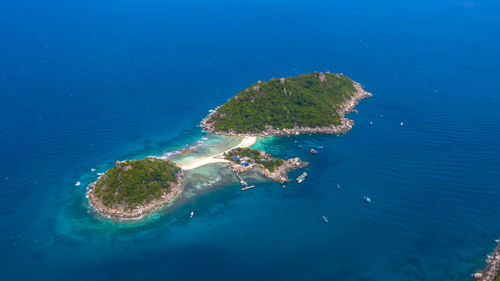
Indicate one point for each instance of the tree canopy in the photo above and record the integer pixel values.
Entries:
(309, 100)
(137, 182)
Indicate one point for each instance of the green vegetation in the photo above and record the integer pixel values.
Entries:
(252, 155)
(497, 278)
(303, 101)
(134, 183)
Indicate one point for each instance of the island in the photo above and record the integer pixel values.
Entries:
(309, 103)
(246, 159)
(133, 188)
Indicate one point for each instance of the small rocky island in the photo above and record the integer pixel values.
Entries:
(246, 159)
(133, 188)
(309, 103)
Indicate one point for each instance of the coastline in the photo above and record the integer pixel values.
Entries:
(344, 126)
(176, 189)
(492, 268)
(140, 211)
(280, 175)
(247, 141)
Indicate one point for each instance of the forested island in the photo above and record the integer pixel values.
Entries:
(133, 188)
(309, 103)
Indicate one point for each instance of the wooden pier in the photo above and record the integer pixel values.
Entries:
(247, 187)
(244, 183)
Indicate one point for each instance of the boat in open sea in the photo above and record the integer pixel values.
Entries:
(302, 177)
(367, 199)
(325, 219)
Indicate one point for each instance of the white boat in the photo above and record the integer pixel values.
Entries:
(302, 177)
(401, 124)
(92, 170)
(191, 215)
(367, 199)
(78, 183)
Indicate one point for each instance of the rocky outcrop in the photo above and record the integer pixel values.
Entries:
(344, 126)
(279, 175)
(321, 77)
(492, 266)
(119, 211)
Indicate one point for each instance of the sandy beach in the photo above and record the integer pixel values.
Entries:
(217, 158)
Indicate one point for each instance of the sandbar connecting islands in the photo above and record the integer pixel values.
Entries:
(310, 103)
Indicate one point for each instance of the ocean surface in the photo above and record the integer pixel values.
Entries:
(86, 83)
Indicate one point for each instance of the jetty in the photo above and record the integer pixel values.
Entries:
(247, 187)
(243, 183)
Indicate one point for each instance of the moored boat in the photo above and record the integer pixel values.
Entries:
(191, 215)
(302, 177)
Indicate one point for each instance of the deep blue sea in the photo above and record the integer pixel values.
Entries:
(86, 83)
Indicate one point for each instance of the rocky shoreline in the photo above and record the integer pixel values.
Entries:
(344, 127)
(140, 211)
(492, 268)
(279, 175)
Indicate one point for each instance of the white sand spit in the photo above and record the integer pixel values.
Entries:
(217, 158)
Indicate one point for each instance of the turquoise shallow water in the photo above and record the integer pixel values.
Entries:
(86, 83)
